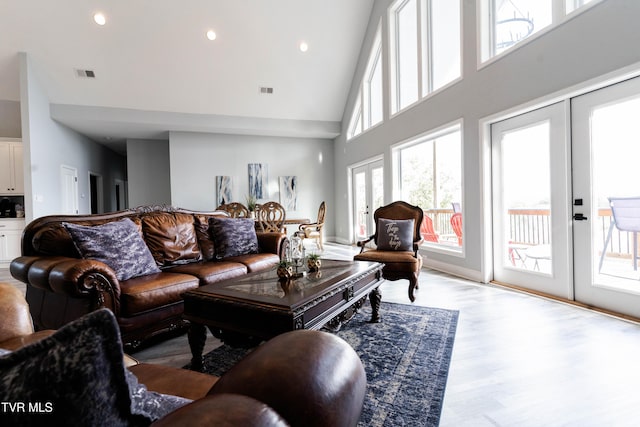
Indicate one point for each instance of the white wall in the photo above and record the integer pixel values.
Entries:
(197, 158)
(148, 172)
(601, 40)
(10, 119)
(48, 145)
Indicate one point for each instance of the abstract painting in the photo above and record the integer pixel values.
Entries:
(289, 192)
(223, 190)
(258, 180)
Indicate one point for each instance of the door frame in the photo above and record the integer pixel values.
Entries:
(559, 282)
(352, 197)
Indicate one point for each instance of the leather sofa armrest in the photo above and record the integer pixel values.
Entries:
(272, 243)
(89, 279)
(223, 410)
(310, 378)
(18, 342)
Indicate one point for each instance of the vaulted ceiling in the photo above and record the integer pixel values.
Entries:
(156, 71)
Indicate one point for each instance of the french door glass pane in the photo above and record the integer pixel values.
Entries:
(360, 195)
(526, 190)
(615, 152)
(377, 188)
(407, 54)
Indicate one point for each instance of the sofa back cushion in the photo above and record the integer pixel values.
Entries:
(171, 238)
(205, 239)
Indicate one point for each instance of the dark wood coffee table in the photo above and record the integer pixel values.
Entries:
(259, 306)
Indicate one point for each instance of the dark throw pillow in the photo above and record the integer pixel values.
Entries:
(118, 244)
(234, 236)
(77, 377)
(395, 234)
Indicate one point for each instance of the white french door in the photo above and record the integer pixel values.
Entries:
(531, 215)
(367, 189)
(606, 154)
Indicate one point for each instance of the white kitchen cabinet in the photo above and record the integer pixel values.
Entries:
(11, 167)
(10, 239)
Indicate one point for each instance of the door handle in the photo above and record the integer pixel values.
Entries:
(580, 217)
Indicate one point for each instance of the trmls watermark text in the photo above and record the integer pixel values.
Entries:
(26, 407)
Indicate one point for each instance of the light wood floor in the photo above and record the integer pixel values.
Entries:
(518, 360)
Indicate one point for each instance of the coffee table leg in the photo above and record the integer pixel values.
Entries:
(197, 336)
(374, 298)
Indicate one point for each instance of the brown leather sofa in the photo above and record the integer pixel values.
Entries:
(300, 378)
(62, 286)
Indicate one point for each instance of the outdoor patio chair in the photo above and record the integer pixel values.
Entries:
(456, 225)
(427, 232)
(625, 216)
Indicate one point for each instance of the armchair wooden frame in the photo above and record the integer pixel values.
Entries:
(314, 230)
(271, 216)
(397, 264)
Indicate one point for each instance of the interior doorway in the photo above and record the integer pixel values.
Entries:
(96, 193)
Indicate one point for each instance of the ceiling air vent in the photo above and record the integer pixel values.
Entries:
(266, 90)
(85, 74)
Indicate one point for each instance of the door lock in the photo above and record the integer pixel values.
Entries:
(580, 217)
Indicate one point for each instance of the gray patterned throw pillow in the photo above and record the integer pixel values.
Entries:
(118, 244)
(234, 236)
(395, 234)
(76, 377)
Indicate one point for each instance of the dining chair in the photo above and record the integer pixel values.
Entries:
(314, 230)
(235, 210)
(456, 224)
(397, 222)
(270, 217)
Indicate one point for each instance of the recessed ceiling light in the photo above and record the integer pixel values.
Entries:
(100, 18)
(211, 35)
(304, 46)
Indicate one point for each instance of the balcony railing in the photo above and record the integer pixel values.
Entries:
(532, 226)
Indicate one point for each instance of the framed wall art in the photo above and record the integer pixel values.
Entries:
(258, 180)
(223, 190)
(289, 192)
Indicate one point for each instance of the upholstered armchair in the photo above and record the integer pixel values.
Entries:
(397, 239)
(314, 230)
(82, 375)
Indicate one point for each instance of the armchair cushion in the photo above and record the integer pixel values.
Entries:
(117, 244)
(395, 234)
(234, 236)
(77, 377)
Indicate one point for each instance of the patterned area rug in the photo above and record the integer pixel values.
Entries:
(406, 358)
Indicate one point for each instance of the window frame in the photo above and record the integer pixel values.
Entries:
(434, 134)
(487, 26)
(362, 107)
(424, 52)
